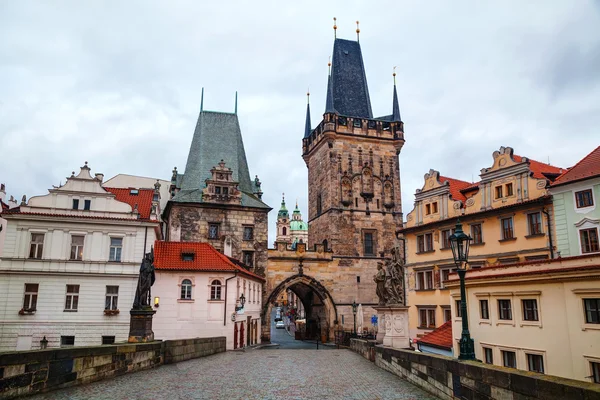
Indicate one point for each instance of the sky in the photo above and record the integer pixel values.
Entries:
(118, 84)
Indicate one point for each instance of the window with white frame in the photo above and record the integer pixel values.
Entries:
(595, 371)
(589, 240)
(507, 228)
(444, 276)
(504, 309)
(458, 308)
(426, 318)
(535, 362)
(215, 290)
(447, 313)
(186, 289)
(424, 280)
(509, 359)
(72, 298)
(116, 248)
(534, 223)
(488, 355)
(592, 311)
(37, 245)
(77, 247)
(429, 242)
(484, 311)
(111, 298)
(30, 298)
(530, 310)
(584, 198)
(420, 243)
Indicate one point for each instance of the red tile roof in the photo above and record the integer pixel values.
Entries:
(455, 187)
(440, 337)
(539, 168)
(168, 256)
(587, 167)
(143, 199)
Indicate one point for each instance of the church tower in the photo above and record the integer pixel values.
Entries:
(353, 167)
(283, 223)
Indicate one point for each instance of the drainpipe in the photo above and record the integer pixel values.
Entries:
(145, 238)
(549, 233)
(225, 305)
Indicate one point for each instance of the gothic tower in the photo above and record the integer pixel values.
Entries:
(353, 167)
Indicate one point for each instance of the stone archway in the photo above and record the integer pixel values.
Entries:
(305, 287)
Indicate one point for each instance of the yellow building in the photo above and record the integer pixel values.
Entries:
(541, 316)
(507, 213)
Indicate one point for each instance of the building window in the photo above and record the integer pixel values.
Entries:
(425, 280)
(488, 355)
(217, 189)
(186, 289)
(368, 244)
(530, 310)
(116, 247)
(30, 299)
(420, 244)
(498, 192)
(77, 247)
(248, 258)
(595, 370)
(534, 221)
(319, 209)
(584, 198)
(427, 318)
(427, 209)
(37, 245)
(447, 314)
(213, 231)
(509, 189)
(87, 204)
(589, 240)
(483, 309)
(504, 310)
(444, 276)
(248, 233)
(445, 239)
(476, 234)
(592, 311)
(284, 231)
(72, 298)
(75, 204)
(215, 290)
(112, 297)
(434, 208)
(66, 341)
(458, 308)
(187, 256)
(509, 359)
(108, 340)
(507, 228)
(535, 362)
(428, 242)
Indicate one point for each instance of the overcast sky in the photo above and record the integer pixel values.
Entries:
(118, 84)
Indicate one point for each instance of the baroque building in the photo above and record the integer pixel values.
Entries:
(354, 203)
(215, 201)
(291, 230)
(507, 213)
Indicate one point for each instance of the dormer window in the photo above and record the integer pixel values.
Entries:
(134, 192)
(187, 256)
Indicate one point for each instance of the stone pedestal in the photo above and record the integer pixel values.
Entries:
(140, 326)
(395, 326)
(380, 327)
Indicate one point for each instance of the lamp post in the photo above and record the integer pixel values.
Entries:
(354, 313)
(242, 301)
(459, 242)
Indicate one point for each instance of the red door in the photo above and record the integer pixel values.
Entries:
(241, 335)
(235, 336)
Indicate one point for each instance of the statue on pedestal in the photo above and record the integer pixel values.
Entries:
(143, 297)
(395, 280)
(379, 278)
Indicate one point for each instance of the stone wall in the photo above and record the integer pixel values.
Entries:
(29, 372)
(449, 378)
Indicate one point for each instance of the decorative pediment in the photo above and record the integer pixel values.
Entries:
(432, 181)
(503, 158)
(587, 221)
(221, 188)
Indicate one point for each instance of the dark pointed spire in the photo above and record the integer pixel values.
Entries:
(202, 100)
(329, 101)
(307, 127)
(395, 106)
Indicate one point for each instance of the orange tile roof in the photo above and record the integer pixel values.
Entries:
(439, 337)
(143, 199)
(539, 168)
(455, 187)
(167, 256)
(587, 167)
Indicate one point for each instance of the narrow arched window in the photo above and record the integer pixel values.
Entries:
(284, 231)
(215, 290)
(319, 204)
(186, 289)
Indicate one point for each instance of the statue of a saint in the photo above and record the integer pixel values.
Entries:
(380, 279)
(146, 279)
(395, 281)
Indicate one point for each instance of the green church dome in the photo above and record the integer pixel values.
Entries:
(283, 211)
(298, 226)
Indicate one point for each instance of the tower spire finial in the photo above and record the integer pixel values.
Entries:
(395, 107)
(329, 65)
(308, 96)
(334, 28)
(394, 75)
(307, 126)
(357, 32)
(202, 100)
(236, 102)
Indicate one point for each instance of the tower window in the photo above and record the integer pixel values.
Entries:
(356, 202)
(284, 231)
(369, 243)
(75, 204)
(319, 209)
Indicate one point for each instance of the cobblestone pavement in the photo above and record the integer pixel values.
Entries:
(253, 374)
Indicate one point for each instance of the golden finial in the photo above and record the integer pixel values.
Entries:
(329, 65)
(394, 75)
(334, 28)
(308, 96)
(357, 32)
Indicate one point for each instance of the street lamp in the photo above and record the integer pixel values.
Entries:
(459, 242)
(242, 301)
(354, 313)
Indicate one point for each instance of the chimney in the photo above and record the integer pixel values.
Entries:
(99, 176)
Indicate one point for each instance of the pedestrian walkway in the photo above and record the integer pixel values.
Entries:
(253, 374)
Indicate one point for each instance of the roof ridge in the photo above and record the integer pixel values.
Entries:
(568, 170)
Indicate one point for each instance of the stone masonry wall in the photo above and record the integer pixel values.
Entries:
(29, 372)
(449, 378)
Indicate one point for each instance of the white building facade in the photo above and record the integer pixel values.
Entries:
(70, 264)
(197, 291)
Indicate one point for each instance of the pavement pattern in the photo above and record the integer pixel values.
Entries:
(253, 374)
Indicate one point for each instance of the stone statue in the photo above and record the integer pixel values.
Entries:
(146, 279)
(379, 278)
(395, 281)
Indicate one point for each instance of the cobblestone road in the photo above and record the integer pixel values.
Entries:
(254, 374)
